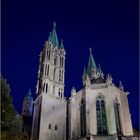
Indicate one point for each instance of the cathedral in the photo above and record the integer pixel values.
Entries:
(99, 111)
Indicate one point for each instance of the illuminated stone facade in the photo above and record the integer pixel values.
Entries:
(99, 111)
(49, 118)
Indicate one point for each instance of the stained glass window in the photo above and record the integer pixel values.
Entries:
(117, 117)
(101, 116)
(83, 118)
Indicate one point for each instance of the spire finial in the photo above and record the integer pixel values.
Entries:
(90, 50)
(53, 36)
(121, 86)
(54, 24)
(99, 66)
(29, 92)
(61, 45)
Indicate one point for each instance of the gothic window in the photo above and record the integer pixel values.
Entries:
(117, 117)
(101, 116)
(46, 88)
(54, 74)
(56, 127)
(49, 126)
(62, 75)
(55, 61)
(45, 69)
(83, 117)
(59, 75)
(61, 62)
(48, 54)
(59, 93)
(48, 70)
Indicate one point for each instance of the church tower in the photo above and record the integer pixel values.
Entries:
(27, 115)
(49, 117)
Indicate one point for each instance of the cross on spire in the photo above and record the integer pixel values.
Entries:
(53, 36)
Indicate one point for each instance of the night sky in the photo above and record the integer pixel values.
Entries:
(109, 27)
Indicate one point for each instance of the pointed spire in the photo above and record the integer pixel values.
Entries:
(100, 70)
(84, 75)
(49, 38)
(121, 86)
(91, 62)
(84, 72)
(29, 92)
(53, 36)
(61, 45)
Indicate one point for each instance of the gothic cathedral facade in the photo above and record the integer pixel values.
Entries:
(99, 111)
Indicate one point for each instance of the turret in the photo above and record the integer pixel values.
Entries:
(84, 76)
(121, 86)
(27, 115)
(27, 105)
(93, 72)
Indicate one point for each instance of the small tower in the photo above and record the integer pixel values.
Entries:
(94, 73)
(27, 115)
(84, 76)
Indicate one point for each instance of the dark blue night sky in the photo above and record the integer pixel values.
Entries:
(109, 27)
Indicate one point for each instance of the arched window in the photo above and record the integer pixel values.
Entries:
(46, 88)
(117, 116)
(83, 117)
(49, 54)
(55, 61)
(48, 71)
(61, 62)
(54, 73)
(45, 68)
(101, 116)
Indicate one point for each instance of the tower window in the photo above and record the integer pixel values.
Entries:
(54, 74)
(101, 116)
(48, 54)
(45, 69)
(48, 71)
(49, 126)
(56, 127)
(61, 62)
(62, 75)
(59, 75)
(59, 93)
(55, 61)
(46, 88)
